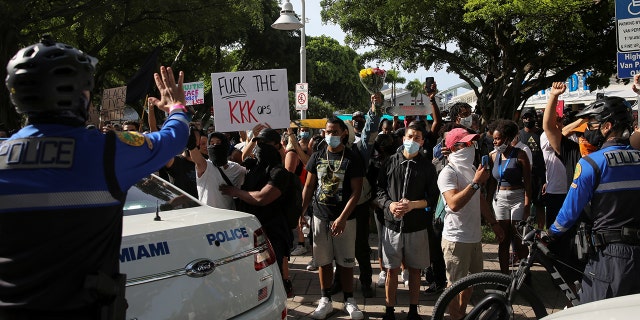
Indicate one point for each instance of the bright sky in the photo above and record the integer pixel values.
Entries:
(314, 27)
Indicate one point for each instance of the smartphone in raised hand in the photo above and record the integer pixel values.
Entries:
(485, 161)
(428, 82)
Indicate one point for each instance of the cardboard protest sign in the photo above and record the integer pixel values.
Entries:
(241, 100)
(113, 101)
(194, 92)
(413, 109)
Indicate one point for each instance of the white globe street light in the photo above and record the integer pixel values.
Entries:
(288, 21)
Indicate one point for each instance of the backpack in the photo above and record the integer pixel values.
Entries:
(293, 200)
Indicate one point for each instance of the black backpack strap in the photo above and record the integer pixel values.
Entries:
(596, 169)
(224, 176)
(109, 161)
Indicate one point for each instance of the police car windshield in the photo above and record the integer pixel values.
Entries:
(151, 193)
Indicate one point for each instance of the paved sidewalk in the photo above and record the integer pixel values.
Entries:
(306, 288)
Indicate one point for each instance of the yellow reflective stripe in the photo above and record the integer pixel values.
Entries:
(56, 199)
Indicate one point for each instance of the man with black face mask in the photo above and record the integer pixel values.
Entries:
(530, 136)
(263, 192)
(357, 121)
(217, 171)
(607, 182)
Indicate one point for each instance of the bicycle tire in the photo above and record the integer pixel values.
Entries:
(527, 306)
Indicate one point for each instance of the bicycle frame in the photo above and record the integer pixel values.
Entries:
(540, 253)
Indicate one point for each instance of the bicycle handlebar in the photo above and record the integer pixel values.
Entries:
(532, 236)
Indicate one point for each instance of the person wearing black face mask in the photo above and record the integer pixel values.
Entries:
(530, 136)
(358, 124)
(606, 181)
(263, 194)
(217, 171)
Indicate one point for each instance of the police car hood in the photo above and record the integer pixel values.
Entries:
(182, 236)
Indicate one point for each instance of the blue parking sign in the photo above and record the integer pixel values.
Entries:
(628, 64)
(628, 25)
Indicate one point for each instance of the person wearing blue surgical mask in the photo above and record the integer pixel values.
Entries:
(333, 186)
(407, 184)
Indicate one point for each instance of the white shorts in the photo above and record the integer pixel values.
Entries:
(326, 247)
(509, 204)
(413, 247)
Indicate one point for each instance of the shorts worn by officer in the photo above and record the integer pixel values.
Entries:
(62, 189)
(610, 180)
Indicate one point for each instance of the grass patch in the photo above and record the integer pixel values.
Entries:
(487, 234)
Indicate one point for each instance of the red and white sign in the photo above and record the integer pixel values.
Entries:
(243, 99)
(302, 96)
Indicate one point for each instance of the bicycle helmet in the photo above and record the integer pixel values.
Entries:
(49, 78)
(609, 109)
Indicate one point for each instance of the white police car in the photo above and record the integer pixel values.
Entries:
(186, 260)
(619, 308)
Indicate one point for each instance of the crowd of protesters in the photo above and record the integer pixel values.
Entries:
(423, 180)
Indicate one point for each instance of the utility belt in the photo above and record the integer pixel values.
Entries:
(587, 241)
(626, 235)
(109, 294)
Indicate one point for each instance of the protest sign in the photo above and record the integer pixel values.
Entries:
(241, 100)
(413, 109)
(113, 101)
(194, 92)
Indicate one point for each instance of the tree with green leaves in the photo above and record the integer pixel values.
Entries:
(122, 33)
(393, 77)
(332, 73)
(512, 48)
(416, 87)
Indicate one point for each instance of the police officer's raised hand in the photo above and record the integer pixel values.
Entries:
(171, 93)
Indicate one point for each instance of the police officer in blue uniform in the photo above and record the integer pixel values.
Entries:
(62, 187)
(606, 184)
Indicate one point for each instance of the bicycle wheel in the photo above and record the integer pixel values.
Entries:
(488, 299)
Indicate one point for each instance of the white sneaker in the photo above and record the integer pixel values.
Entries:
(382, 279)
(351, 307)
(311, 266)
(405, 277)
(299, 250)
(324, 307)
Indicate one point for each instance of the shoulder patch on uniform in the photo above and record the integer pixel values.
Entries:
(578, 171)
(132, 138)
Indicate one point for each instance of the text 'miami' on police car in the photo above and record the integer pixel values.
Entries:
(185, 260)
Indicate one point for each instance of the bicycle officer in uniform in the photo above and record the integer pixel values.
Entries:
(62, 187)
(610, 180)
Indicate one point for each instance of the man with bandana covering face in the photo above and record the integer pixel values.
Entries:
(459, 181)
(210, 173)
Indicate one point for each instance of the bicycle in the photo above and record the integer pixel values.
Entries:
(499, 296)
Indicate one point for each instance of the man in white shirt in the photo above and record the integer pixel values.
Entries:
(459, 182)
(210, 174)
(555, 189)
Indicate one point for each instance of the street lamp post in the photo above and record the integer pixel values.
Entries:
(288, 21)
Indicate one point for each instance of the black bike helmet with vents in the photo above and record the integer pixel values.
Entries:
(609, 109)
(49, 78)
